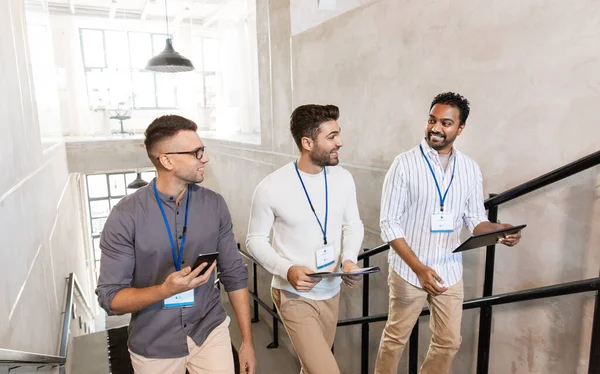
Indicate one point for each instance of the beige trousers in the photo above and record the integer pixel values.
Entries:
(214, 356)
(406, 303)
(311, 325)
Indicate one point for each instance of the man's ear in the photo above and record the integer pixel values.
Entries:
(165, 162)
(307, 143)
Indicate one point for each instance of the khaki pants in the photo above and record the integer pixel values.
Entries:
(406, 303)
(311, 326)
(214, 356)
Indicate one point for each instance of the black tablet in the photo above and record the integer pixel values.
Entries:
(328, 274)
(488, 238)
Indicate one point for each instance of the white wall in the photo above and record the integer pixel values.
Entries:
(305, 14)
(41, 235)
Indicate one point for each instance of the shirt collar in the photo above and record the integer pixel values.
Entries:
(167, 198)
(432, 152)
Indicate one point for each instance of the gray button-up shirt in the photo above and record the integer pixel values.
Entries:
(136, 252)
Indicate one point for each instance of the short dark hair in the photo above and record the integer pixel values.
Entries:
(306, 119)
(165, 127)
(455, 100)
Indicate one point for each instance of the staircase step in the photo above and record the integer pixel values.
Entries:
(89, 354)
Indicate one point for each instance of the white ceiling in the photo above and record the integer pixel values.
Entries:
(198, 10)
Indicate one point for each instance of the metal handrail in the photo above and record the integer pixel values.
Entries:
(374, 251)
(72, 284)
(23, 358)
(566, 171)
(249, 257)
(586, 285)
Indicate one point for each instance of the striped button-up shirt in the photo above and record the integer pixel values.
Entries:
(409, 200)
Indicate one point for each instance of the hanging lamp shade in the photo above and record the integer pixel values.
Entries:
(169, 61)
(138, 182)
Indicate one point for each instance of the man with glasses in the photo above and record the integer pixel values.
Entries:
(150, 240)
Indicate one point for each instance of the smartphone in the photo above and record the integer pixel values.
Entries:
(209, 258)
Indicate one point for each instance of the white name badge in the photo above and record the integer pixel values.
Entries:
(442, 222)
(325, 256)
(180, 300)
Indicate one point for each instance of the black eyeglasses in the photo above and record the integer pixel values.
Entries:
(198, 153)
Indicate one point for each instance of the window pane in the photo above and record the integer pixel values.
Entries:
(212, 87)
(198, 86)
(210, 54)
(97, 251)
(97, 185)
(119, 89)
(93, 48)
(148, 176)
(140, 47)
(117, 184)
(99, 208)
(130, 177)
(98, 225)
(114, 202)
(97, 88)
(143, 90)
(196, 54)
(165, 90)
(117, 49)
(158, 43)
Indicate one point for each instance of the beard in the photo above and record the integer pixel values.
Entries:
(324, 158)
(442, 143)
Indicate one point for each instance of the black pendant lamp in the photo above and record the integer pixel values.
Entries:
(169, 61)
(138, 182)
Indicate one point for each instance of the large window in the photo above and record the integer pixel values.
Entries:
(221, 95)
(104, 191)
(114, 63)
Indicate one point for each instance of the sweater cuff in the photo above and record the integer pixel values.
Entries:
(283, 269)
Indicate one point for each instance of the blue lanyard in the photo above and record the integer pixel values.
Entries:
(323, 230)
(176, 259)
(442, 199)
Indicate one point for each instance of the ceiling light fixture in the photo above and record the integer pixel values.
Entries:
(169, 61)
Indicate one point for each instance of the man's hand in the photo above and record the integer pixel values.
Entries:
(299, 279)
(428, 277)
(247, 359)
(509, 240)
(186, 279)
(350, 280)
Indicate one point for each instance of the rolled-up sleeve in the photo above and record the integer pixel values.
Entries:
(234, 273)
(117, 261)
(475, 209)
(393, 203)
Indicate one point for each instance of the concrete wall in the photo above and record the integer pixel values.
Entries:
(530, 72)
(40, 215)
